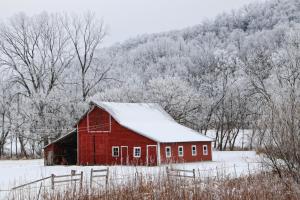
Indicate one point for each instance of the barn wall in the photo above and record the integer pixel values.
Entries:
(106, 138)
(187, 149)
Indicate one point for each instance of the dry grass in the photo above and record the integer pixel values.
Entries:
(266, 186)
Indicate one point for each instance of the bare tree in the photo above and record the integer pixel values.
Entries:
(86, 34)
(5, 116)
(280, 113)
(35, 53)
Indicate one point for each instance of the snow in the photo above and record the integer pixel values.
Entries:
(151, 121)
(237, 163)
(74, 131)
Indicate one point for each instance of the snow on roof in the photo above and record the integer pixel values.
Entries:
(61, 137)
(151, 121)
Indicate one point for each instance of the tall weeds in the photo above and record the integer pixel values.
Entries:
(267, 186)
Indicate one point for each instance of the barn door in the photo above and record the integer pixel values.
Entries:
(100, 149)
(124, 155)
(151, 155)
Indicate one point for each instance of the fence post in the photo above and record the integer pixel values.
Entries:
(72, 174)
(217, 175)
(52, 181)
(235, 170)
(136, 177)
(167, 171)
(106, 178)
(194, 175)
(168, 174)
(81, 179)
(195, 185)
(38, 195)
(249, 169)
(91, 178)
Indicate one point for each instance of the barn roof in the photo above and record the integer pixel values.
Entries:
(151, 121)
(74, 131)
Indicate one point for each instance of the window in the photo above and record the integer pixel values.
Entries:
(180, 151)
(115, 151)
(194, 150)
(137, 152)
(205, 150)
(168, 152)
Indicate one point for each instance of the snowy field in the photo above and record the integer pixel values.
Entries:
(16, 172)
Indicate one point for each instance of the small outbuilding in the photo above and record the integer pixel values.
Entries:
(128, 134)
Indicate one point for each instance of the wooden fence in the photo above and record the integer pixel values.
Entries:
(99, 174)
(180, 173)
(69, 178)
(100, 177)
(30, 183)
(217, 173)
(73, 177)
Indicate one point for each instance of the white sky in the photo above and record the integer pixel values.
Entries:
(128, 18)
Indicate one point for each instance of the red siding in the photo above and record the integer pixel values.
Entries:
(187, 152)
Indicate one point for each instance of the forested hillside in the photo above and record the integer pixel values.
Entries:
(240, 70)
(226, 74)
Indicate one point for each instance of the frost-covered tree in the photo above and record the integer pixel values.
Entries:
(34, 52)
(223, 74)
(86, 35)
(175, 95)
(5, 115)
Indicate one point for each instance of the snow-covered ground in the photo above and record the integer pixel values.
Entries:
(16, 172)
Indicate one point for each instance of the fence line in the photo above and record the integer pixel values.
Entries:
(26, 184)
(180, 173)
(73, 177)
(103, 174)
(100, 173)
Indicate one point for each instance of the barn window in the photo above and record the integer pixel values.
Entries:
(194, 150)
(205, 150)
(180, 151)
(115, 151)
(168, 152)
(137, 152)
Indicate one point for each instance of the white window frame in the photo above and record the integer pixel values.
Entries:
(134, 155)
(168, 156)
(180, 155)
(112, 151)
(205, 152)
(194, 154)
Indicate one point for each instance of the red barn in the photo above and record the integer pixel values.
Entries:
(128, 133)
